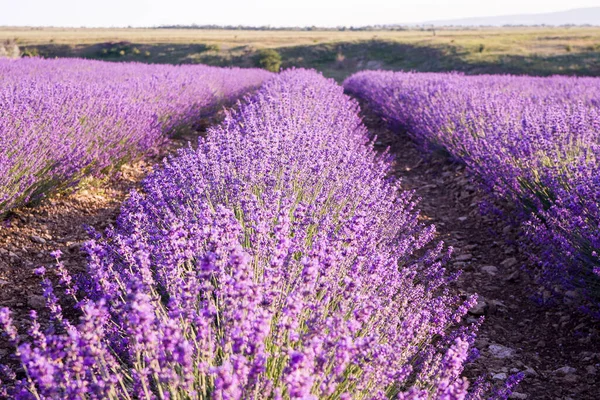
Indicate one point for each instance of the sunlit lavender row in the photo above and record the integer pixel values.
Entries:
(533, 141)
(276, 261)
(63, 119)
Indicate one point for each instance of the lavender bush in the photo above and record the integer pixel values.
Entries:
(532, 141)
(276, 261)
(63, 119)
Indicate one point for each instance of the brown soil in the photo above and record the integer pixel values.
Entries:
(538, 341)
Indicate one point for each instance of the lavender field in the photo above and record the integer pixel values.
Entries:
(533, 142)
(264, 262)
(400, 236)
(61, 120)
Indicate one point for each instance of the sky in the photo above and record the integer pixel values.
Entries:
(140, 13)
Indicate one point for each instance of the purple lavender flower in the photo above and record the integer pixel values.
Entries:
(277, 260)
(64, 119)
(530, 141)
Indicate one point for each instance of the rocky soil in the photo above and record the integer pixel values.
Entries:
(558, 349)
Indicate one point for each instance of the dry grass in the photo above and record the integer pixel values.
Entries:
(502, 40)
(533, 50)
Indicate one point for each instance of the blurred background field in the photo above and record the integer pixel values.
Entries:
(337, 53)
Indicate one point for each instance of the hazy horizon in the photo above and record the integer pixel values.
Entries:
(323, 13)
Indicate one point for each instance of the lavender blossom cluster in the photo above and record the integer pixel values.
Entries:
(63, 119)
(275, 261)
(531, 141)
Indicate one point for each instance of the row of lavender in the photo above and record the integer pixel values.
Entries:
(63, 119)
(276, 261)
(533, 141)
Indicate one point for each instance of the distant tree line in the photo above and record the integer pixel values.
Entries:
(287, 28)
(426, 27)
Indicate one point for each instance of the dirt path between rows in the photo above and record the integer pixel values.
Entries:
(558, 349)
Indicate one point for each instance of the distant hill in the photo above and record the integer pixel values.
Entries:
(579, 16)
